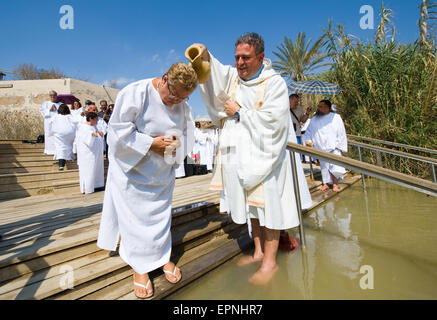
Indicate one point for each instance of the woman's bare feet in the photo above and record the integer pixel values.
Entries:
(335, 188)
(171, 272)
(142, 286)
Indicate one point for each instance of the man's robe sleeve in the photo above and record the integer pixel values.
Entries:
(215, 90)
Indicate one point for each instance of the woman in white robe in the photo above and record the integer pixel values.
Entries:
(89, 144)
(150, 132)
(76, 109)
(63, 130)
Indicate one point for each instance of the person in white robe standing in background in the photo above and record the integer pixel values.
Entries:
(305, 195)
(210, 147)
(200, 139)
(89, 144)
(326, 132)
(48, 110)
(250, 102)
(63, 129)
(150, 132)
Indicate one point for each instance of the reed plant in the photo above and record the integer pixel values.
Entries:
(389, 91)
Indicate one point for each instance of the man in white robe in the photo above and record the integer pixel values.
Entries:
(250, 104)
(48, 110)
(326, 132)
(89, 144)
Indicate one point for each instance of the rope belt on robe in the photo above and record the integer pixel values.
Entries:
(255, 196)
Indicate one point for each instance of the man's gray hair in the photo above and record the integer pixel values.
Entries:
(53, 91)
(253, 39)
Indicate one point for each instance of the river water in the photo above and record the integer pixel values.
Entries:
(381, 244)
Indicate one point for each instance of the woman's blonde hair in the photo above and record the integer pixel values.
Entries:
(182, 74)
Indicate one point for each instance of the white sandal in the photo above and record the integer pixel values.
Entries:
(173, 274)
(143, 286)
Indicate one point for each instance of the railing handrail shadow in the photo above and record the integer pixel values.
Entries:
(388, 175)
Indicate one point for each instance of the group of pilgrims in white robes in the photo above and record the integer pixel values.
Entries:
(150, 133)
(205, 146)
(77, 133)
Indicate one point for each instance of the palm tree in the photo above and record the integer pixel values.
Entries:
(297, 60)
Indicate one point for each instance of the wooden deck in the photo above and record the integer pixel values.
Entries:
(49, 241)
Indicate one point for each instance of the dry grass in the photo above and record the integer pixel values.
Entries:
(20, 124)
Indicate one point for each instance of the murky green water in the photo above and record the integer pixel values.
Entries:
(391, 231)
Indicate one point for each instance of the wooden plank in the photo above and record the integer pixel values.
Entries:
(44, 246)
(46, 274)
(51, 286)
(33, 265)
(94, 285)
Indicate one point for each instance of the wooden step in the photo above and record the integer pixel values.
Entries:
(196, 268)
(47, 242)
(21, 232)
(44, 283)
(120, 285)
(19, 185)
(34, 166)
(25, 157)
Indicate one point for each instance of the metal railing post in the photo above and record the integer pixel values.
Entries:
(434, 178)
(362, 175)
(298, 203)
(311, 169)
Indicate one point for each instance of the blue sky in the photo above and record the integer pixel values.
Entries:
(131, 40)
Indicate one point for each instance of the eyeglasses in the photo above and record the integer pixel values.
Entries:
(174, 97)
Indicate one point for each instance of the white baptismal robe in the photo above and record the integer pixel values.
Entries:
(140, 183)
(76, 112)
(201, 146)
(89, 158)
(63, 130)
(49, 143)
(328, 134)
(305, 195)
(102, 126)
(253, 150)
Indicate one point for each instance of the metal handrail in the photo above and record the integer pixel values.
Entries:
(402, 154)
(388, 175)
(393, 152)
(394, 144)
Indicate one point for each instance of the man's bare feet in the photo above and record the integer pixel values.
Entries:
(263, 275)
(142, 286)
(325, 187)
(335, 188)
(245, 260)
(171, 272)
